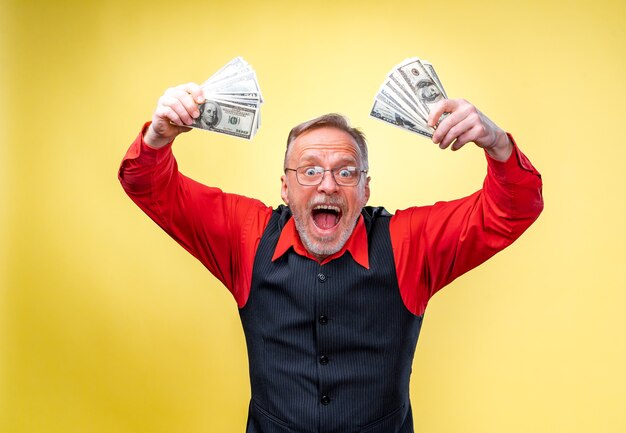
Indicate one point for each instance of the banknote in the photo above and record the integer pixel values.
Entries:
(227, 118)
(233, 68)
(232, 101)
(408, 95)
(431, 71)
(245, 83)
(388, 99)
(421, 84)
(395, 83)
(387, 114)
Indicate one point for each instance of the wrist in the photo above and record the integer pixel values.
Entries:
(154, 139)
(501, 148)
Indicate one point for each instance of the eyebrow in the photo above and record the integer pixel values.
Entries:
(340, 163)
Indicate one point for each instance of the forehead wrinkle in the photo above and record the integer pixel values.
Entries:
(330, 145)
(327, 153)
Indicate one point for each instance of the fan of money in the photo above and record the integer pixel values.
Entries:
(407, 96)
(233, 101)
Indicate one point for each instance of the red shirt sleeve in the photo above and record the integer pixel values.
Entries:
(433, 245)
(219, 229)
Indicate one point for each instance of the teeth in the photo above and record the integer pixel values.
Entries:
(327, 207)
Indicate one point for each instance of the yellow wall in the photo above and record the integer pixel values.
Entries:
(106, 325)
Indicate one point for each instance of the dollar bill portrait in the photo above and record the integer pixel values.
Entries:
(210, 115)
(428, 91)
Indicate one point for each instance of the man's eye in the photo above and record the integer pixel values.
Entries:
(346, 172)
(310, 171)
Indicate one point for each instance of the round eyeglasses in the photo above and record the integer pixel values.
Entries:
(313, 175)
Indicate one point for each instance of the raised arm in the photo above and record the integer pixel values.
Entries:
(219, 229)
(435, 244)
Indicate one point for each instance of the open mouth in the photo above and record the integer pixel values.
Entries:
(326, 216)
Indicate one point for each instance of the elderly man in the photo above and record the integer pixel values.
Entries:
(332, 293)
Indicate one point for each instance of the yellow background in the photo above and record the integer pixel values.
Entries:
(106, 325)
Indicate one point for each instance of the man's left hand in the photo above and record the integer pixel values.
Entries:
(465, 124)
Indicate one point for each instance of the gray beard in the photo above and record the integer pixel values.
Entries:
(323, 250)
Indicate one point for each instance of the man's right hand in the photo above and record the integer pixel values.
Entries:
(177, 105)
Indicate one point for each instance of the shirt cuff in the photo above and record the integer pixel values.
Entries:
(140, 160)
(140, 148)
(513, 169)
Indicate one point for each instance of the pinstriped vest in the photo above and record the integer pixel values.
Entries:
(330, 346)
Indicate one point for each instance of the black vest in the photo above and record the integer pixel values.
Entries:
(330, 346)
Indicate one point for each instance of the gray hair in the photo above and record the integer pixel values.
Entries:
(332, 120)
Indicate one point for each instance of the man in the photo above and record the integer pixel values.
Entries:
(331, 293)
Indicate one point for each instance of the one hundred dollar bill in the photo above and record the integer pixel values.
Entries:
(233, 101)
(236, 66)
(387, 114)
(422, 85)
(246, 83)
(397, 83)
(431, 71)
(388, 100)
(227, 118)
(408, 96)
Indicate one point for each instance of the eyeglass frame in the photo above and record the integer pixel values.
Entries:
(332, 170)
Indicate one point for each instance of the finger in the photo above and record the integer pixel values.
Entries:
(456, 131)
(474, 123)
(189, 95)
(195, 91)
(436, 112)
(183, 112)
(443, 106)
(448, 123)
(468, 136)
(168, 114)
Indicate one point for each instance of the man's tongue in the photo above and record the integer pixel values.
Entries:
(325, 219)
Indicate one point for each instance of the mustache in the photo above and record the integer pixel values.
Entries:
(322, 200)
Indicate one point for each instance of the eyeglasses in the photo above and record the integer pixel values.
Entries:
(312, 175)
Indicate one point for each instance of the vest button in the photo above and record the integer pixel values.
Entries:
(323, 319)
(321, 277)
(323, 359)
(325, 400)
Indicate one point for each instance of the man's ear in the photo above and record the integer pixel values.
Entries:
(283, 189)
(367, 189)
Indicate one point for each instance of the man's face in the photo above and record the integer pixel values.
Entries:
(325, 214)
(430, 92)
(209, 115)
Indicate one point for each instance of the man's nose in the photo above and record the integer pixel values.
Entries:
(328, 184)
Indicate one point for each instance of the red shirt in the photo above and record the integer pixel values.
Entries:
(432, 245)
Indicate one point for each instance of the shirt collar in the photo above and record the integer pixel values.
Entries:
(356, 244)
